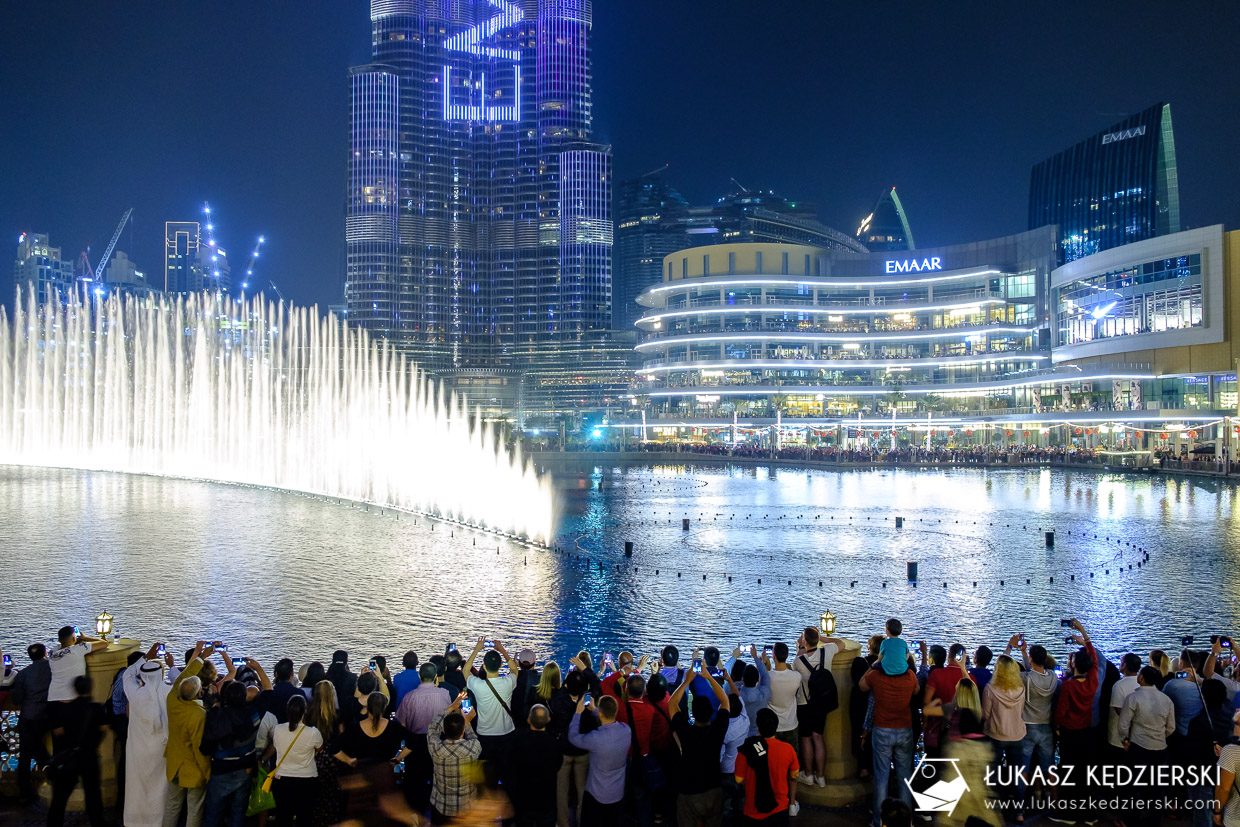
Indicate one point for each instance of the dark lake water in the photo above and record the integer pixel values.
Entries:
(279, 574)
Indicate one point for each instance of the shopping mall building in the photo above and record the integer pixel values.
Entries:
(991, 340)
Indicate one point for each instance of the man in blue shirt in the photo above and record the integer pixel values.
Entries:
(1184, 692)
(755, 689)
(609, 750)
(407, 681)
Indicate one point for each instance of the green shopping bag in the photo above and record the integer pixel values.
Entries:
(260, 800)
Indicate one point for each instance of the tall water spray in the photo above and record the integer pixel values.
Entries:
(208, 387)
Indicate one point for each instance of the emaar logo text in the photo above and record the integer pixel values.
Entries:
(1112, 137)
(915, 265)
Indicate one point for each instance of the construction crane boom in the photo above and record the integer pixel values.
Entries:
(107, 253)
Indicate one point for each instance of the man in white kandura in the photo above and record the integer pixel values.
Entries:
(147, 695)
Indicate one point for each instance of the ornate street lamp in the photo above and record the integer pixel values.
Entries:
(826, 622)
(103, 624)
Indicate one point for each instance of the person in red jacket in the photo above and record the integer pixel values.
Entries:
(1074, 714)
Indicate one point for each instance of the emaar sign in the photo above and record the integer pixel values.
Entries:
(1123, 134)
(915, 265)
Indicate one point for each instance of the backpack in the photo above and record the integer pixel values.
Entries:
(824, 697)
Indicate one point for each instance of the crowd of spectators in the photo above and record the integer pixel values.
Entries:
(965, 455)
(729, 735)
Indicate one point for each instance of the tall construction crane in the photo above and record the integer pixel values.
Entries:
(107, 253)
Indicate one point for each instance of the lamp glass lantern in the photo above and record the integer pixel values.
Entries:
(826, 623)
(103, 624)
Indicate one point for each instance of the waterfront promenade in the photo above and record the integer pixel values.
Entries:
(854, 461)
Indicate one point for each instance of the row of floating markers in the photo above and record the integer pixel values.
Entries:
(1121, 565)
(590, 562)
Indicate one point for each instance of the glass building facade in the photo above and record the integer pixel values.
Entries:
(372, 263)
(649, 225)
(492, 98)
(1147, 297)
(1113, 188)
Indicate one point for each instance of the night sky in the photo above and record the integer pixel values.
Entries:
(164, 105)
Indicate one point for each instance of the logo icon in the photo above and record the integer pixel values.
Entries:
(937, 785)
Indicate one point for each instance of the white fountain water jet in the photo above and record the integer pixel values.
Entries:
(208, 387)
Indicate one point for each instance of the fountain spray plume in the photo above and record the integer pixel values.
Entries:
(205, 386)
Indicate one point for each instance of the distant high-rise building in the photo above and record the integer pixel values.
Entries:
(478, 225)
(654, 220)
(181, 242)
(886, 227)
(1113, 188)
(192, 263)
(649, 225)
(38, 264)
(122, 274)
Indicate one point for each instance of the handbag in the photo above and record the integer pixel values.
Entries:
(261, 799)
(272, 775)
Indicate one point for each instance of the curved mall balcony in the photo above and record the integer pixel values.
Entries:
(782, 336)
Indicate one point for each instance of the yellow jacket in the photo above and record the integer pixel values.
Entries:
(187, 766)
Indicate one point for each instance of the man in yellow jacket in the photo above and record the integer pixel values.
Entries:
(188, 769)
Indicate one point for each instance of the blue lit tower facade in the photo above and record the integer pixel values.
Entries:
(377, 297)
(1111, 189)
(502, 222)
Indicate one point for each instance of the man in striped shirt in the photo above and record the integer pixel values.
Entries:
(417, 710)
(454, 750)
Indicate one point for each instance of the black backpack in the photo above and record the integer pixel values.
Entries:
(823, 694)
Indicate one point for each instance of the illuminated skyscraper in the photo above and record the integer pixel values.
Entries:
(886, 227)
(192, 263)
(478, 223)
(39, 266)
(1114, 188)
(649, 225)
(181, 253)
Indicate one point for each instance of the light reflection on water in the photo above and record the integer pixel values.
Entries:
(276, 573)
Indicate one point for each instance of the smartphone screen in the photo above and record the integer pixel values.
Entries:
(488, 644)
(238, 661)
(467, 706)
(768, 652)
(451, 647)
(8, 660)
(161, 651)
(586, 699)
(697, 665)
(374, 666)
